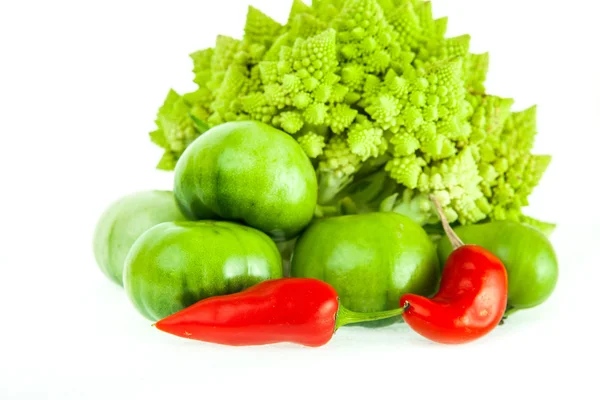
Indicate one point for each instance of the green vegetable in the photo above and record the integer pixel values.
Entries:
(367, 86)
(370, 259)
(251, 172)
(526, 253)
(175, 264)
(124, 221)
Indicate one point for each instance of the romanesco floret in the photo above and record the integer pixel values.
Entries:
(176, 129)
(336, 168)
(312, 144)
(511, 171)
(375, 94)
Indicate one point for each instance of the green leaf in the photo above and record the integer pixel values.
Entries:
(167, 162)
(158, 138)
(200, 125)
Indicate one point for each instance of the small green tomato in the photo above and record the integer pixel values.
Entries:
(526, 253)
(176, 264)
(248, 172)
(124, 221)
(370, 259)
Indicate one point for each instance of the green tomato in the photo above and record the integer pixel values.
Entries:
(526, 253)
(250, 172)
(370, 259)
(124, 221)
(176, 264)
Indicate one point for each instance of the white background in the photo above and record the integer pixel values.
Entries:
(80, 83)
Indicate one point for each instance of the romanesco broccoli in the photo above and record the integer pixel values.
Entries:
(387, 107)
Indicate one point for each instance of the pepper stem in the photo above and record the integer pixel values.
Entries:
(325, 211)
(452, 236)
(345, 316)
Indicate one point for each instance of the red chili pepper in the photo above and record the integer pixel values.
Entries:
(471, 299)
(299, 310)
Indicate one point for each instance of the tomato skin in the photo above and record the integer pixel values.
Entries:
(249, 172)
(470, 302)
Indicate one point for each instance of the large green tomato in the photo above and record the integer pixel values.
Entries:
(526, 253)
(370, 259)
(176, 264)
(250, 172)
(124, 221)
